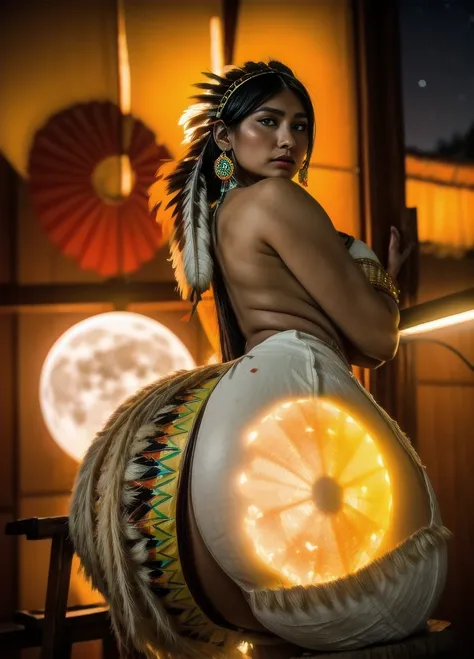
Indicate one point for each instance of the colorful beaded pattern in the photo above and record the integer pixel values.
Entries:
(153, 513)
(223, 167)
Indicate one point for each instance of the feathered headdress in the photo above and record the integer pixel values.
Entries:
(188, 225)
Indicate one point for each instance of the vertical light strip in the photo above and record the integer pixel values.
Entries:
(125, 102)
(217, 45)
(123, 61)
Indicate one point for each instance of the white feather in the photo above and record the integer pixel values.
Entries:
(192, 259)
(191, 112)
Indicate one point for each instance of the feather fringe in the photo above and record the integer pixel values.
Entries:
(101, 532)
(354, 586)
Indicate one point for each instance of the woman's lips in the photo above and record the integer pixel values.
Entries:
(283, 163)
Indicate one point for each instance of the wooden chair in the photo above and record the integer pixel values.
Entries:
(58, 627)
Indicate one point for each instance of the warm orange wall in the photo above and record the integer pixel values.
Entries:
(169, 45)
(58, 54)
(443, 193)
(64, 53)
(315, 39)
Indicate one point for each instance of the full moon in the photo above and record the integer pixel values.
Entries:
(94, 366)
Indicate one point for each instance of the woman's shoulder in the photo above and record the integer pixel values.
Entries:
(277, 198)
(275, 188)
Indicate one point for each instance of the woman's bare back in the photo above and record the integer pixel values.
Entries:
(265, 295)
(286, 268)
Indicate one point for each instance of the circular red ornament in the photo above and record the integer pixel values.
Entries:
(77, 187)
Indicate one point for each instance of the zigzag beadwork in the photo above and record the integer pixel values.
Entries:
(153, 513)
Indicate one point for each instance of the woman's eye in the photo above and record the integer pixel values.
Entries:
(267, 121)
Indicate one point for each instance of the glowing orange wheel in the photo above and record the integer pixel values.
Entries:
(316, 492)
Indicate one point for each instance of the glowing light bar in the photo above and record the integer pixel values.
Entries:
(436, 314)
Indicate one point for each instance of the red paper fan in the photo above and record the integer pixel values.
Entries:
(73, 171)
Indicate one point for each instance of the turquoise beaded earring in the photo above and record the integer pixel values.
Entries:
(223, 167)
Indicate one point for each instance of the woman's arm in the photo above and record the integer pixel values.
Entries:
(359, 251)
(298, 229)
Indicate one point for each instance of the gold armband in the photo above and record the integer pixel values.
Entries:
(379, 278)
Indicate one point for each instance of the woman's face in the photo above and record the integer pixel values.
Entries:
(273, 140)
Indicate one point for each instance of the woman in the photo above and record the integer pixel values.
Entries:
(267, 499)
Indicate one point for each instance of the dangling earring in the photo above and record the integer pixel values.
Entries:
(303, 176)
(223, 167)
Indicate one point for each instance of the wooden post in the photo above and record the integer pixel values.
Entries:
(382, 161)
(230, 12)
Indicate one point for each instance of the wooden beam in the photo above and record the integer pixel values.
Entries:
(118, 293)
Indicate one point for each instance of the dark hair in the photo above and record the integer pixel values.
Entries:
(245, 100)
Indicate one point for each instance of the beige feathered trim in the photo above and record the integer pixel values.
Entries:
(367, 580)
(101, 533)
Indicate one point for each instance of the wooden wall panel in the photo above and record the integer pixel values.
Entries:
(445, 422)
(435, 363)
(439, 277)
(445, 409)
(7, 411)
(7, 208)
(8, 548)
(8, 467)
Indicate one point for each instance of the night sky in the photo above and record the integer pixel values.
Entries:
(438, 69)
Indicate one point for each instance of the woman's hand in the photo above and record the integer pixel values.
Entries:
(396, 258)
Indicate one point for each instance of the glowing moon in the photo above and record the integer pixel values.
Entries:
(96, 365)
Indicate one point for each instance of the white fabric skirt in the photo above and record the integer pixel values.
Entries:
(313, 501)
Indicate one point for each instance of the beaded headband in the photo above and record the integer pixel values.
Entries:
(235, 85)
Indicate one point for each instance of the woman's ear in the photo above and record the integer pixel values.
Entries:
(221, 136)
